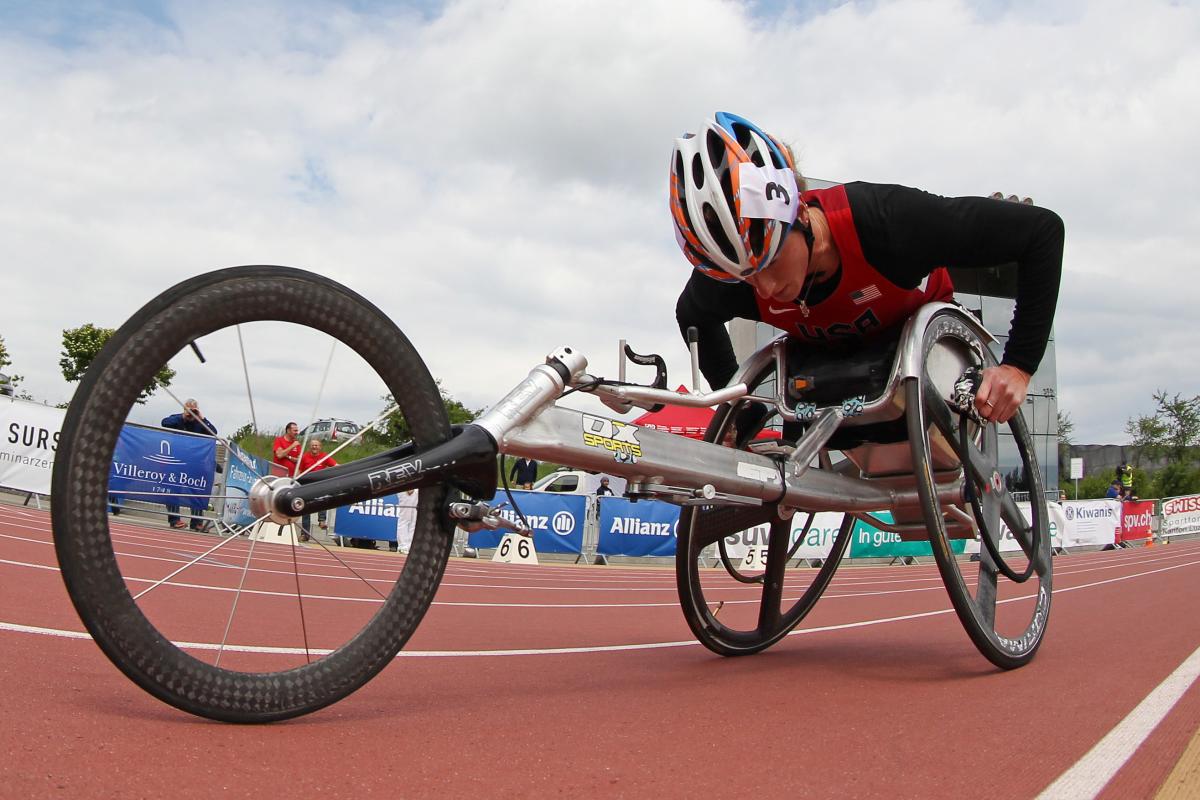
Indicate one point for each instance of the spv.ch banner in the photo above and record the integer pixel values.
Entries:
(557, 522)
(28, 441)
(645, 528)
(240, 474)
(1136, 520)
(164, 466)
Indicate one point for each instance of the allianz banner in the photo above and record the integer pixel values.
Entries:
(151, 461)
(557, 522)
(240, 475)
(28, 441)
(371, 519)
(645, 528)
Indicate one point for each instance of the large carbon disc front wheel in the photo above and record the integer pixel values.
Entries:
(1001, 592)
(233, 617)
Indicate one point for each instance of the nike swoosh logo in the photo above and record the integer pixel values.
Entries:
(783, 310)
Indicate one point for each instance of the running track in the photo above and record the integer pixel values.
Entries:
(880, 695)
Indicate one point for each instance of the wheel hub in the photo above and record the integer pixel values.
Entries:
(262, 498)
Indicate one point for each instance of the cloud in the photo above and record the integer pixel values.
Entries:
(492, 174)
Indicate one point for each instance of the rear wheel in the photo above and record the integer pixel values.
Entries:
(1002, 593)
(251, 627)
(750, 602)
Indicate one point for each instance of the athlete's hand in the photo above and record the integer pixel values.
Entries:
(1001, 392)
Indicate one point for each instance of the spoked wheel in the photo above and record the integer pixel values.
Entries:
(743, 607)
(249, 627)
(1003, 597)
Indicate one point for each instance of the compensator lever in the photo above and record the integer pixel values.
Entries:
(481, 516)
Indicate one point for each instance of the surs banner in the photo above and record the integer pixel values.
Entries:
(28, 442)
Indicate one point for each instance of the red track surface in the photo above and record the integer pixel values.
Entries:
(887, 698)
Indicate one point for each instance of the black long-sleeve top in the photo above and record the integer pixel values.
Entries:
(905, 234)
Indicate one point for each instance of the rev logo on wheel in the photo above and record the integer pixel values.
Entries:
(563, 523)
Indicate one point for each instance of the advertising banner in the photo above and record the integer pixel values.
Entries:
(1008, 542)
(557, 521)
(241, 472)
(28, 440)
(377, 519)
(1181, 515)
(870, 542)
(1136, 519)
(645, 528)
(176, 465)
(1091, 522)
(817, 542)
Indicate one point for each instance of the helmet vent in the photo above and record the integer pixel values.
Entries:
(716, 149)
(698, 171)
(713, 223)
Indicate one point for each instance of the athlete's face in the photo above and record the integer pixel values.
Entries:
(783, 278)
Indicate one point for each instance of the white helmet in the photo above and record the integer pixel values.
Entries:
(734, 197)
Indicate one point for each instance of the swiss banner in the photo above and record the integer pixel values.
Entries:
(1135, 520)
(1181, 515)
(28, 440)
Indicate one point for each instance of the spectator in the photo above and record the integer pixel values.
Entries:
(1114, 491)
(406, 520)
(1062, 495)
(524, 473)
(285, 452)
(311, 461)
(1125, 476)
(604, 489)
(192, 421)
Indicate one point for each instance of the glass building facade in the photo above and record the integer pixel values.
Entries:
(989, 294)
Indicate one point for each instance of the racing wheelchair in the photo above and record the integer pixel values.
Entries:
(886, 434)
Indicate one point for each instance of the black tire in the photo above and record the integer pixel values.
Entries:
(165, 326)
(701, 526)
(994, 615)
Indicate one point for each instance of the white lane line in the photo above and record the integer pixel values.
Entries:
(17, 628)
(1090, 774)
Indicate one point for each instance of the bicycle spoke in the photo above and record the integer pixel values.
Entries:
(236, 597)
(195, 560)
(246, 374)
(300, 596)
(296, 473)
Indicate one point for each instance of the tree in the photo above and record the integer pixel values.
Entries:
(395, 431)
(13, 380)
(81, 346)
(1065, 428)
(1170, 431)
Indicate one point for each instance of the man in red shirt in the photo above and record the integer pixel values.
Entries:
(313, 460)
(285, 451)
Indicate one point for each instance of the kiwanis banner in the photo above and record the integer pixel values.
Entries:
(28, 440)
(645, 528)
(1091, 522)
(241, 472)
(557, 521)
(377, 518)
(1181, 515)
(149, 462)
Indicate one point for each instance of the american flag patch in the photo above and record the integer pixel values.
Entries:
(865, 295)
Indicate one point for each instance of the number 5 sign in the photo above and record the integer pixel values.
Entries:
(516, 549)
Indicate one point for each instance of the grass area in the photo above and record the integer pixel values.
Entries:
(260, 445)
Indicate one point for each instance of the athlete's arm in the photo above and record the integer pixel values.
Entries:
(707, 304)
(905, 233)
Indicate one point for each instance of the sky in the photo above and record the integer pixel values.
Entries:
(493, 174)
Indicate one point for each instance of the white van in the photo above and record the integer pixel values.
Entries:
(577, 481)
